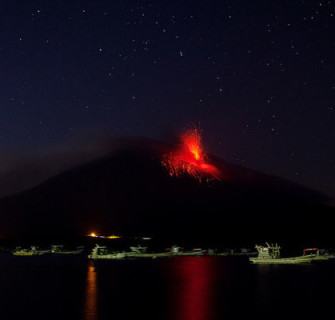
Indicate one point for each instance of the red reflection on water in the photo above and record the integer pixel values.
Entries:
(194, 288)
(90, 312)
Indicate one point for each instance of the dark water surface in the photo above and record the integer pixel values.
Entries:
(183, 288)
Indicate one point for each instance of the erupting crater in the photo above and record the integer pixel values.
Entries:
(189, 158)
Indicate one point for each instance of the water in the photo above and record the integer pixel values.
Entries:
(183, 288)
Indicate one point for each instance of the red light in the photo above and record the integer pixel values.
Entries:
(193, 299)
(190, 158)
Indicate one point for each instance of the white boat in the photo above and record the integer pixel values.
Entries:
(178, 251)
(138, 249)
(32, 251)
(102, 253)
(59, 250)
(270, 254)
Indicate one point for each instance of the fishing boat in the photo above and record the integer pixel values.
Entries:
(138, 249)
(102, 253)
(270, 254)
(32, 251)
(178, 251)
(59, 250)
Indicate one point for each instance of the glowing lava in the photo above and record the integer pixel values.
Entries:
(190, 158)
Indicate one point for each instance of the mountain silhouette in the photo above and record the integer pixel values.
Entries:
(129, 191)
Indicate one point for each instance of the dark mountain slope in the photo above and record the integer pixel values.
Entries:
(129, 191)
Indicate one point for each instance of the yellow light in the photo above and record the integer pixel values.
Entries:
(113, 236)
(93, 234)
(196, 152)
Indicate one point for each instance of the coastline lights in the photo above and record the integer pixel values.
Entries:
(113, 236)
(95, 235)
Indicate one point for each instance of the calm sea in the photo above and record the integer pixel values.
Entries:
(184, 288)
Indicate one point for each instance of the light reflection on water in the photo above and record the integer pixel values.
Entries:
(90, 312)
(200, 288)
(188, 289)
(194, 300)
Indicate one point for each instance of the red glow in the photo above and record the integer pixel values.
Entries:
(194, 300)
(190, 158)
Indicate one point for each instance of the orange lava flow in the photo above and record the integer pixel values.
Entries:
(190, 158)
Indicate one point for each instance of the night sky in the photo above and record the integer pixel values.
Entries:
(258, 77)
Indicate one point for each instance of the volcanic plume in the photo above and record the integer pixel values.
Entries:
(190, 158)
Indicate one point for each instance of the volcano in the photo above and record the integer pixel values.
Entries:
(190, 158)
(129, 191)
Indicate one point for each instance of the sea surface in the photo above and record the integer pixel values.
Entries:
(181, 288)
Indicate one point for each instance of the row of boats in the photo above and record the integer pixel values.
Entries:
(104, 253)
(265, 254)
(55, 249)
(268, 254)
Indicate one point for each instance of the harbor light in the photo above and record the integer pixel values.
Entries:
(95, 235)
(113, 236)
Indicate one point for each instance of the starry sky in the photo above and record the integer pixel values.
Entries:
(256, 76)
